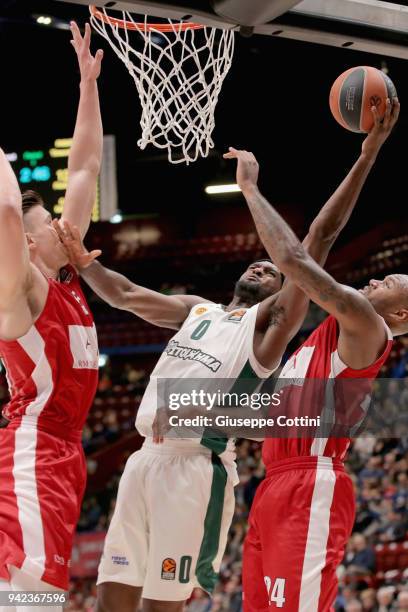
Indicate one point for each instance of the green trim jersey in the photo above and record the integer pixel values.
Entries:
(212, 343)
(176, 499)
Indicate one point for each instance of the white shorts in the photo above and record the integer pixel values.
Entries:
(169, 529)
(22, 583)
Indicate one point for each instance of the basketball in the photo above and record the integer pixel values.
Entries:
(354, 93)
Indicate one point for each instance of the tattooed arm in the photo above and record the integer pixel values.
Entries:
(362, 333)
(280, 316)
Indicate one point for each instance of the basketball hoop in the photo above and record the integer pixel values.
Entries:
(178, 69)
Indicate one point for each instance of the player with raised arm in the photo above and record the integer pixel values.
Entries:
(303, 512)
(49, 348)
(175, 499)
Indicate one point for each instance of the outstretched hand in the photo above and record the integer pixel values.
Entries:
(89, 66)
(247, 167)
(71, 238)
(382, 128)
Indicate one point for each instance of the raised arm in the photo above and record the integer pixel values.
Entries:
(362, 333)
(334, 215)
(86, 151)
(15, 269)
(118, 291)
(162, 310)
(280, 317)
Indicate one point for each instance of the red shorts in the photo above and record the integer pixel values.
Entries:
(300, 521)
(42, 482)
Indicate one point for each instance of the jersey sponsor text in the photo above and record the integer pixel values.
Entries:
(174, 349)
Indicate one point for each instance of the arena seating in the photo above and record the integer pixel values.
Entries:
(392, 556)
(109, 435)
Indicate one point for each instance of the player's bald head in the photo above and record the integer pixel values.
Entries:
(389, 297)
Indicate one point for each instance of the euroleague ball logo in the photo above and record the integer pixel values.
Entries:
(168, 571)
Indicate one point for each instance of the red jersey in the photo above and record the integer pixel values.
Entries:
(52, 370)
(52, 373)
(307, 372)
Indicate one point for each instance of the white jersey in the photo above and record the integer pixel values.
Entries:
(212, 343)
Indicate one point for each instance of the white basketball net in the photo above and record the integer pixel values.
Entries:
(178, 76)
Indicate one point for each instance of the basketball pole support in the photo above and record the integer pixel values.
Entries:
(390, 16)
(371, 26)
(253, 12)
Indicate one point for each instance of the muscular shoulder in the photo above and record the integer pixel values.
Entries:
(355, 313)
(192, 300)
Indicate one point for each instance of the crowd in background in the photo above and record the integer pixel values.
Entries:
(377, 467)
(379, 470)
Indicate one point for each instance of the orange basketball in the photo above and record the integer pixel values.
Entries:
(355, 92)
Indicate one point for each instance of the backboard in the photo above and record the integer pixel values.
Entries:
(374, 26)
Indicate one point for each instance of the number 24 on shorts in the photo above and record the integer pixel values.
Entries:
(276, 591)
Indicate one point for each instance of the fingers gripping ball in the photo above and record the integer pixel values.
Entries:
(355, 92)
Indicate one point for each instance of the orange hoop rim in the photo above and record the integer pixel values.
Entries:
(147, 27)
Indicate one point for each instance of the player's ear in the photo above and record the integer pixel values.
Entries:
(30, 241)
(402, 315)
(398, 321)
